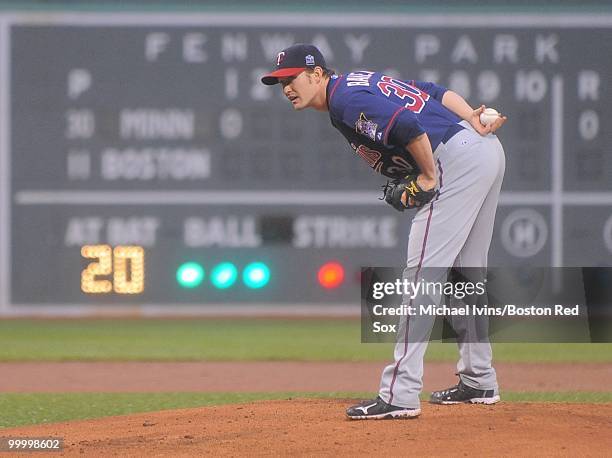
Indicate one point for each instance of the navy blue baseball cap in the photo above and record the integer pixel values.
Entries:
(294, 60)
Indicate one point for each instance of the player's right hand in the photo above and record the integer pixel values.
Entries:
(485, 130)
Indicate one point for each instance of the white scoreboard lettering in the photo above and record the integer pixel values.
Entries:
(164, 139)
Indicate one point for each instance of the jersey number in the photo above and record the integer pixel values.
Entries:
(416, 97)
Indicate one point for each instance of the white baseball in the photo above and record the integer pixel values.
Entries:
(488, 116)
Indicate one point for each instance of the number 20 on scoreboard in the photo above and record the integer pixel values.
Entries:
(124, 264)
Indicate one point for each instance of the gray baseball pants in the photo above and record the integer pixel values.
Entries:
(453, 230)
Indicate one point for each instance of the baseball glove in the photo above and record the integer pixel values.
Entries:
(415, 196)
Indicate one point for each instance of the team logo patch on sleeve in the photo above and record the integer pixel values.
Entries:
(366, 127)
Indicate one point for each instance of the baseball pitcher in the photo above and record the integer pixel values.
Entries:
(442, 161)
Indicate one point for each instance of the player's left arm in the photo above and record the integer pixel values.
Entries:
(390, 123)
(420, 149)
(416, 143)
(457, 104)
(415, 190)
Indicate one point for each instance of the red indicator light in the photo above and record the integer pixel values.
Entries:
(331, 275)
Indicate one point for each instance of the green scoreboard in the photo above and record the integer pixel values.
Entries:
(143, 163)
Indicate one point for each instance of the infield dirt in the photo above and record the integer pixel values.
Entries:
(277, 376)
(307, 427)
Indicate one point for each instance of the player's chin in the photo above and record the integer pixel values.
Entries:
(297, 104)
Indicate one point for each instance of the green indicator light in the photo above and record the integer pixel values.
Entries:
(224, 275)
(256, 275)
(190, 275)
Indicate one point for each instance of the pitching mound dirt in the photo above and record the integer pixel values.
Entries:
(317, 427)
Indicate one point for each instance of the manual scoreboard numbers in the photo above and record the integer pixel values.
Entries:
(120, 269)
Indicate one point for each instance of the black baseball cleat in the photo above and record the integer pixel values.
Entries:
(461, 393)
(377, 409)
